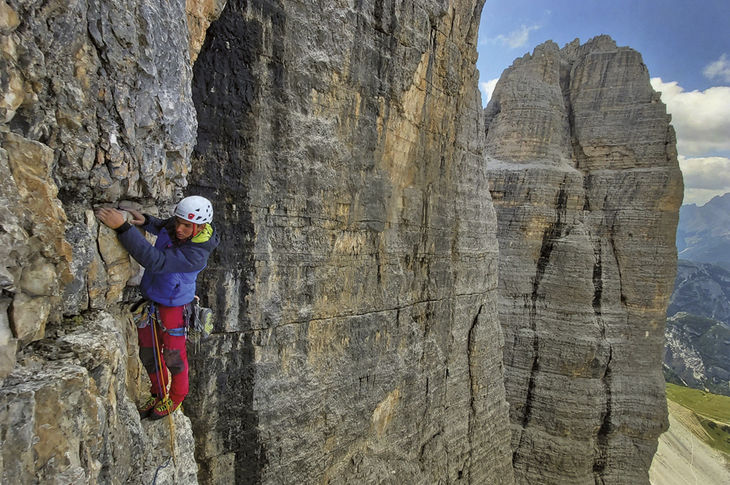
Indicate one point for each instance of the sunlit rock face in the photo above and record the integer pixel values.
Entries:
(96, 109)
(356, 281)
(585, 181)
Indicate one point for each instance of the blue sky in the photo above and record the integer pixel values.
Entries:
(685, 44)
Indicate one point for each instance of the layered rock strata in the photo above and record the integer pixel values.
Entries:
(585, 181)
(356, 338)
(356, 279)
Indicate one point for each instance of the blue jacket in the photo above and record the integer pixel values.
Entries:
(171, 266)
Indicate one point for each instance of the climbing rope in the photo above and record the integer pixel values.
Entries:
(164, 465)
(162, 384)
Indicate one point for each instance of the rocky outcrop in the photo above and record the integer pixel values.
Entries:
(357, 272)
(98, 109)
(357, 336)
(95, 107)
(586, 185)
(66, 415)
(199, 14)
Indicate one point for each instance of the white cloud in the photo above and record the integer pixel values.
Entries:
(718, 69)
(516, 38)
(706, 172)
(704, 178)
(701, 118)
(487, 89)
(700, 196)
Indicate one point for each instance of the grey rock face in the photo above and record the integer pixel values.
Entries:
(97, 109)
(358, 340)
(66, 415)
(357, 334)
(586, 185)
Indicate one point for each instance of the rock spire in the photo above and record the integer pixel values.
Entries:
(585, 181)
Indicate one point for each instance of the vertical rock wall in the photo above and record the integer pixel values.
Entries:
(97, 109)
(584, 178)
(356, 280)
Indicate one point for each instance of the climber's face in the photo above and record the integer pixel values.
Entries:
(183, 229)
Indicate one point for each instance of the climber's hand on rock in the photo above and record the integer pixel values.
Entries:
(111, 218)
(137, 216)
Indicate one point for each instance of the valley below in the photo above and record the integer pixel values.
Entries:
(695, 448)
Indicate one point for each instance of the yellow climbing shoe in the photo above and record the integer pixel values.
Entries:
(146, 409)
(164, 407)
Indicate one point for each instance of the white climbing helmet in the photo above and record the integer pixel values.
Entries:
(195, 209)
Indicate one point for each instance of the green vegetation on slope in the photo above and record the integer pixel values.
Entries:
(712, 410)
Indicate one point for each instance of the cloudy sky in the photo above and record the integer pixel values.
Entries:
(685, 44)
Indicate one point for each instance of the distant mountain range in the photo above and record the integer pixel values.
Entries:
(701, 289)
(703, 233)
(696, 353)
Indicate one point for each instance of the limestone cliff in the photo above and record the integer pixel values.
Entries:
(357, 274)
(357, 336)
(585, 181)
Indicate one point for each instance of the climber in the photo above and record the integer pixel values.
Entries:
(184, 243)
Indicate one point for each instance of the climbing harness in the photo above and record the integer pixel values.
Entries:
(198, 326)
(145, 313)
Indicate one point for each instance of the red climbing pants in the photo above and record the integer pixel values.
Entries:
(173, 354)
